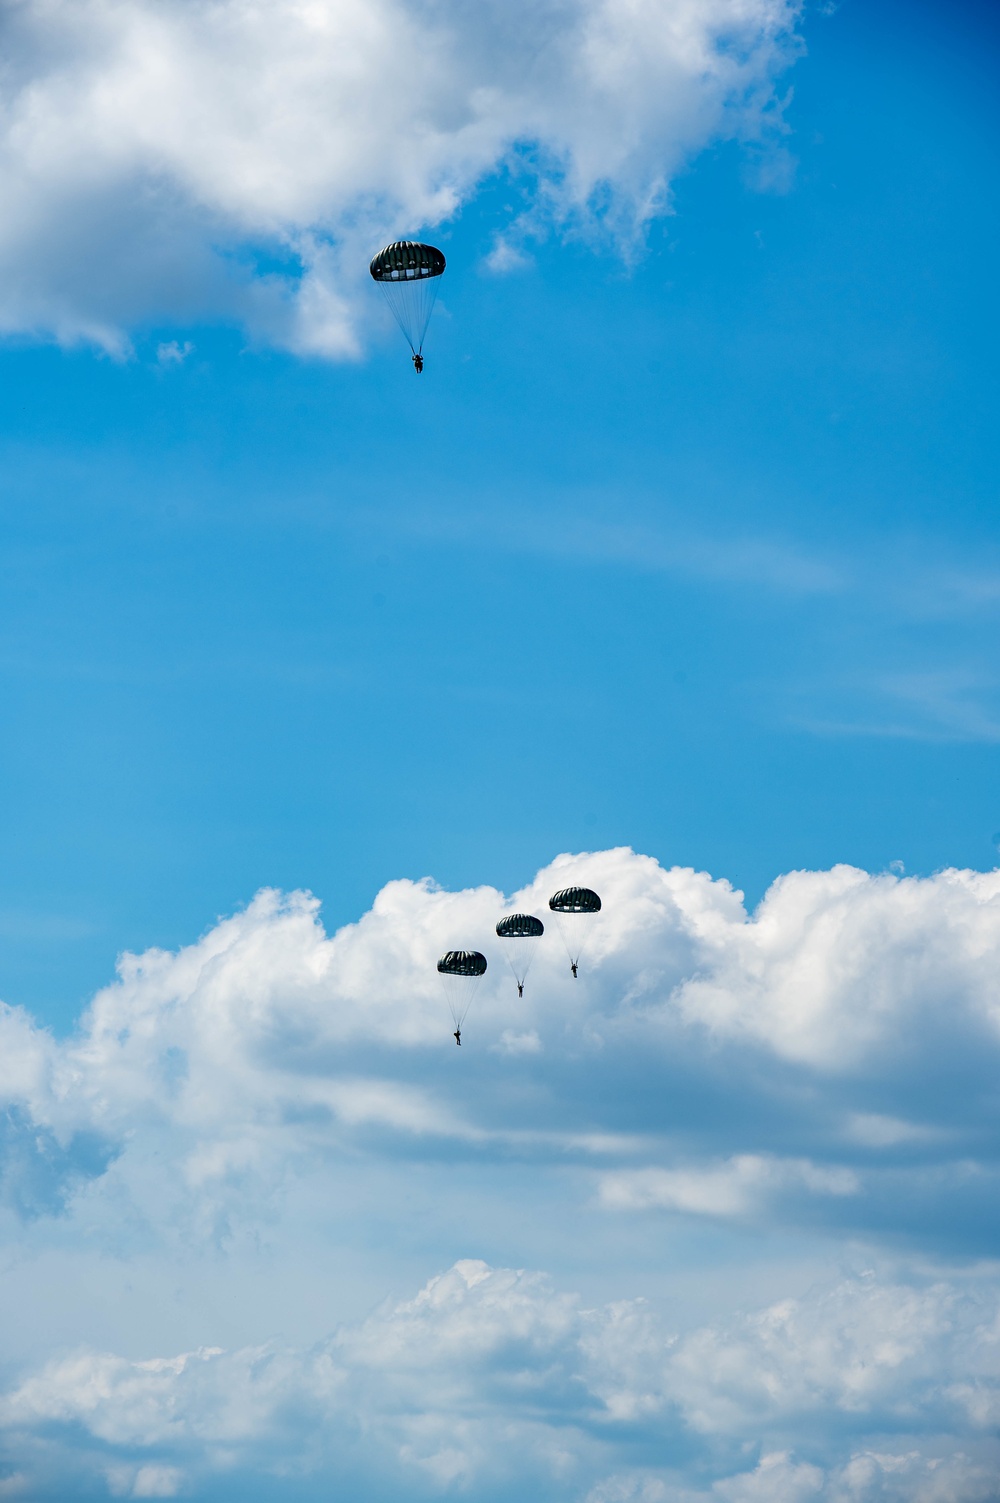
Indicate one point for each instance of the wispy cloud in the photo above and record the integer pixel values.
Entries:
(667, 546)
(743, 1185)
(949, 704)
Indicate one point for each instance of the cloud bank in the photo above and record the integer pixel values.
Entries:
(230, 160)
(492, 1381)
(852, 1013)
(822, 1069)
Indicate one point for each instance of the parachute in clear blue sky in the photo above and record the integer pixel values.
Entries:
(409, 275)
(574, 909)
(520, 933)
(461, 972)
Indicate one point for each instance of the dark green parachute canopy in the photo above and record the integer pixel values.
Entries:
(575, 900)
(407, 261)
(409, 275)
(462, 963)
(521, 931)
(520, 926)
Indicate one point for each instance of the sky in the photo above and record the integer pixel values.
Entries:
(676, 573)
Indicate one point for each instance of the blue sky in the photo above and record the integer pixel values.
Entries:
(685, 542)
(696, 554)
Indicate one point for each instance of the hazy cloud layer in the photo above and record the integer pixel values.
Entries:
(236, 160)
(491, 1381)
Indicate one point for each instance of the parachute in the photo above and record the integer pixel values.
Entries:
(574, 908)
(409, 275)
(520, 930)
(461, 972)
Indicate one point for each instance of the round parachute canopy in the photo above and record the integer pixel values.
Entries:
(575, 900)
(461, 972)
(520, 926)
(521, 931)
(409, 274)
(407, 261)
(462, 963)
(574, 909)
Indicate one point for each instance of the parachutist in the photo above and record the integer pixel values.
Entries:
(461, 972)
(576, 901)
(409, 274)
(520, 933)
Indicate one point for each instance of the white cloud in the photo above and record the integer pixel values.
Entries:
(840, 965)
(173, 352)
(512, 1042)
(506, 256)
(271, 1094)
(145, 1481)
(269, 1044)
(777, 1478)
(863, 1347)
(868, 1477)
(241, 160)
(491, 1376)
(734, 1188)
(873, 1130)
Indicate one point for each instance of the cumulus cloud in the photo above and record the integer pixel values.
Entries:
(851, 965)
(164, 162)
(492, 1379)
(823, 1066)
(831, 1055)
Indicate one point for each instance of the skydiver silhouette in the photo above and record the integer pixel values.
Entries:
(458, 1037)
(418, 363)
(520, 988)
(572, 966)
